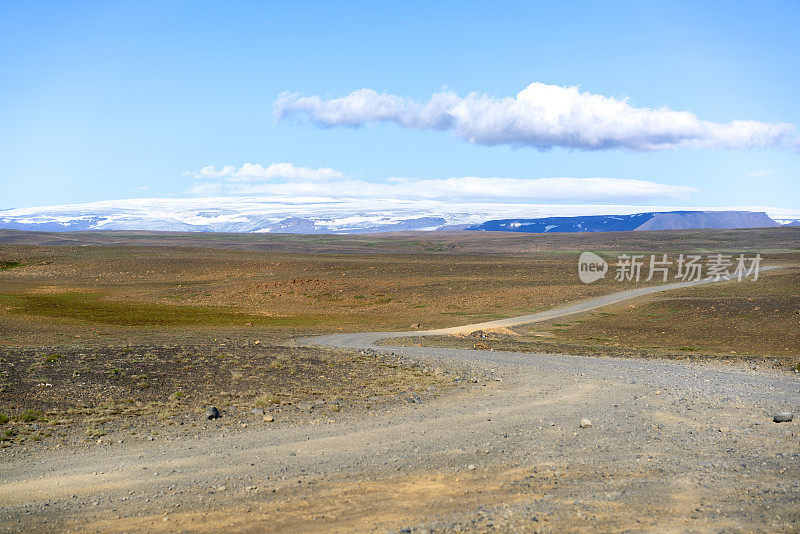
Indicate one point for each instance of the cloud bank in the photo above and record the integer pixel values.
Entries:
(253, 172)
(288, 180)
(541, 116)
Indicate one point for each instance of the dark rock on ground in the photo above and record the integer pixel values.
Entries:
(783, 417)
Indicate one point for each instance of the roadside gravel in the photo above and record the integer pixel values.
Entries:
(671, 447)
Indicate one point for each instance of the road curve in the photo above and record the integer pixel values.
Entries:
(711, 379)
(358, 341)
(672, 447)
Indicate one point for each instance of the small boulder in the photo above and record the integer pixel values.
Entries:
(783, 417)
(586, 423)
(257, 411)
(212, 413)
(268, 419)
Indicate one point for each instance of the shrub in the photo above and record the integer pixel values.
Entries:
(29, 416)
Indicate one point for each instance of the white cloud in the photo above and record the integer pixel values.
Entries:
(544, 189)
(541, 116)
(759, 174)
(253, 172)
(286, 180)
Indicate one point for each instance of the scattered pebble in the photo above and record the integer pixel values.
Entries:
(586, 423)
(783, 417)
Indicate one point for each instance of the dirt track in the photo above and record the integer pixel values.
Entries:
(672, 446)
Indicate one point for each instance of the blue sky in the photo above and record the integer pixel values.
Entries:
(114, 100)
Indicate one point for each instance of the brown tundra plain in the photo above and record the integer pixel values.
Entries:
(227, 382)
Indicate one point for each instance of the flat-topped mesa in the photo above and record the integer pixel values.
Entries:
(668, 220)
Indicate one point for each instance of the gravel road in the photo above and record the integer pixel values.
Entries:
(671, 447)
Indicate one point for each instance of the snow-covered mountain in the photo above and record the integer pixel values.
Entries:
(672, 220)
(319, 215)
(235, 214)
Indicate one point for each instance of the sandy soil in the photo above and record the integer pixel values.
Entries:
(671, 447)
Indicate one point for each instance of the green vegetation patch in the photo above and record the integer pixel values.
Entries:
(29, 416)
(8, 265)
(91, 308)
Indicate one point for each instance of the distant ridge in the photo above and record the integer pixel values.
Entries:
(354, 216)
(668, 220)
